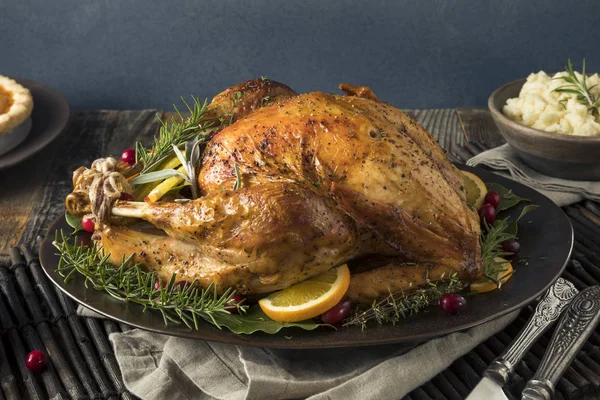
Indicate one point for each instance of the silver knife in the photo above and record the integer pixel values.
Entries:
(573, 330)
(548, 310)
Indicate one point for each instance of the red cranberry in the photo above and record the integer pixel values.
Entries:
(492, 197)
(452, 303)
(179, 285)
(83, 239)
(87, 223)
(511, 246)
(126, 196)
(337, 313)
(35, 361)
(235, 299)
(488, 213)
(159, 284)
(128, 156)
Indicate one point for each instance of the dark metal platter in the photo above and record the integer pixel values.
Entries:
(49, 118)
(546, 238)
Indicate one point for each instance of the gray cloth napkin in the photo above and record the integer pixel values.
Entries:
(562, 192)
(156, 366)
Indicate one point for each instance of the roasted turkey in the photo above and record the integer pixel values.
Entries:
(325, 180)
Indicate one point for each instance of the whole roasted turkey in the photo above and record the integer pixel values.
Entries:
(326, 180)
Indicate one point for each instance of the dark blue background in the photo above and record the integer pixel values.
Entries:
(415, 54)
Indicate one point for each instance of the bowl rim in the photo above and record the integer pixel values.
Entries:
(538, 133)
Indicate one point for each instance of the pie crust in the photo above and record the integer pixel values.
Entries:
(16, 104)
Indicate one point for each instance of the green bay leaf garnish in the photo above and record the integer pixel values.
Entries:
(73, 222)
(507, 198)
(256, 320)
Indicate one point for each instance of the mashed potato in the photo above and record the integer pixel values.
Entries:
(539, 107)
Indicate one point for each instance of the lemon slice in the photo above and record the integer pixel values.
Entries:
(505, 271)
(309, 298)
(475, 188)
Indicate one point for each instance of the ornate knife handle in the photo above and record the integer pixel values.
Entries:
(574, 329)
(548, 310)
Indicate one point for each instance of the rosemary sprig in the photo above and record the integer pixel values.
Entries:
(176, 133)
(399, 305)
(579, 88)
(130, 283)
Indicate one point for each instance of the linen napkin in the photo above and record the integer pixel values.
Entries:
(562, 192)
(156, 366)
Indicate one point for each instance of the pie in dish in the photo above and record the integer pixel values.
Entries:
(16, 104)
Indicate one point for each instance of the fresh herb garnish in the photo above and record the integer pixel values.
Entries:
(399, 305)
(491, 240)
(176, 133)
(73, 222)
(507, 198)
(130, 282)
(579, 88)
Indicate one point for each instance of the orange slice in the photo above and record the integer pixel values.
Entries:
(505, 271)
(475, 188)
(309, 298)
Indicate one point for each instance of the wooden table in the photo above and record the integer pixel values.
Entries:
(32, 196)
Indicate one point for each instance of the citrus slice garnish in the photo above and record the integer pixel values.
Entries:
(475, 188)
(309, 298)
(505, 271)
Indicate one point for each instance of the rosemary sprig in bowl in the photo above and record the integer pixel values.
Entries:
(579, 88)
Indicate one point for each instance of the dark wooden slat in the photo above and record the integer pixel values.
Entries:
(8, 381)
(575, 214)
(105, 352)
(48, 295)
(30, 335)
(577, 269)
(31, 385)
(478, 126)
(419, 394)
(446, 387)
(110, 327)
(593, 207)
(82, 340)
(432, 391)
(456, 383)
(59, 360)
(442, 124)
(589, 267)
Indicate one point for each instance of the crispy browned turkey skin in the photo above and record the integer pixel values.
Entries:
(325, 179)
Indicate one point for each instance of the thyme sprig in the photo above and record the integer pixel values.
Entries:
(130, 283)
(579, 88)
(176, 133)
(399, 305)
(490, 241)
